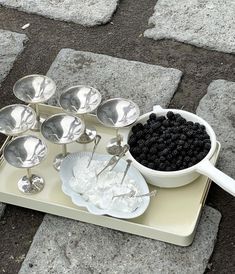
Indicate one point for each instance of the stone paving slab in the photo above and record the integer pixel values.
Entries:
(84, 12)
(146, 84)
(2, 209)
(208, 24)
(218, 108)
(66, 246)
(11, 45)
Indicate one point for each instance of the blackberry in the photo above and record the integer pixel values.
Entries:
(172, 145)
(144, 163)
(160, 118)
(139, 126)
(189, 133)
(161, 146)
(169, 156)
(139, 134)
(207, 146)
(135, 129)
(165, 151)
(162, 158)
(165, 123)
(151, 165)
(183, 137)
(187, 159)
(145, 150)
(153, 150)
(156, 125)
(190, 123)
(136, 150)
(168, 142)
(170, 115)
(162, 166)
(141, 143)
(152, 116)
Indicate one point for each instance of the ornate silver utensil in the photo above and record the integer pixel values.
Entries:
(132, 194)
(96, 141)
(126, 170)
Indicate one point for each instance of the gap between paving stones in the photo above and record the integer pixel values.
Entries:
(87, 13)
(208, 24)
(11, 45)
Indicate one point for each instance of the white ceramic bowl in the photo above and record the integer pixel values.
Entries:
(66, 173)
(171, 179)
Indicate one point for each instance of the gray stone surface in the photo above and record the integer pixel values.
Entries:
(145, 84)
(208, 24)
(84, 12)
(66, 246)
(218, 108)
(2, 209)
(11, 45)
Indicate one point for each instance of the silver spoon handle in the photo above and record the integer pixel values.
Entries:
(150, 194)
(126, 170)
(112, 161)
(129, 195)
(96, 141)
(132, 193)
(126, 147)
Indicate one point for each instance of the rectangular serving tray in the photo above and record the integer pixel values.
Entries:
(172, 215)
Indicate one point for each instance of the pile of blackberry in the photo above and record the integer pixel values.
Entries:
(169, 143)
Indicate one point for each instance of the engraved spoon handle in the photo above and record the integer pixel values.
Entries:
(112, 161)
(126, 147)
(126, 170)
(150, 194)
(96, 141)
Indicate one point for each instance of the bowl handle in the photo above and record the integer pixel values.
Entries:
(205, 167)
(157, 108)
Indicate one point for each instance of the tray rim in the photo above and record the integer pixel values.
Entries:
(184, 239)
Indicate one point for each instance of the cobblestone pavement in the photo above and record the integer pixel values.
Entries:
(122, 38)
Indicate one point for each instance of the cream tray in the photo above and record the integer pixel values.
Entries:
(172, 215)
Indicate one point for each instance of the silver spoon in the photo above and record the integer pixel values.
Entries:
(96, 141)
(112, 161)
(126, 170)
(132, 193)
(125, 148)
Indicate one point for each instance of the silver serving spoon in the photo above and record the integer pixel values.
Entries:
(96, 141)
(126, 170)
